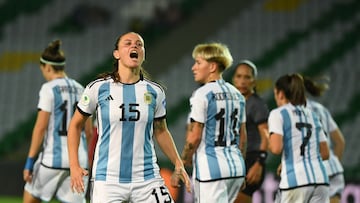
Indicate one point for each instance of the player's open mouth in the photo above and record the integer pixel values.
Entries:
(134, 54)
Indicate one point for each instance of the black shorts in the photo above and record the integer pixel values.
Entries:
(251, 158)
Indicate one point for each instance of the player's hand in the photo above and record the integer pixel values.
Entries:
(254, 174)
(27, 175)
(181, 174)
(77, 181)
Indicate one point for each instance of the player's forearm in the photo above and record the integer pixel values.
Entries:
(74, 133)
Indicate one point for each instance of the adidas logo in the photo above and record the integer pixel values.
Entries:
(109, 98)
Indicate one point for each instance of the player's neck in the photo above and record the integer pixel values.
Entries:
(129, 76)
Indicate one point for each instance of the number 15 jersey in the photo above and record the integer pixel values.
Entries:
(221, 108)
(125, 113)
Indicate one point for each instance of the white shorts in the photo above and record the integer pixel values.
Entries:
(310, 194)
(150, 191)
(337, 185)
(225, 190)
(47, 183)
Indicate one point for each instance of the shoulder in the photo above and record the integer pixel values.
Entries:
(99, 82)
(154, 85)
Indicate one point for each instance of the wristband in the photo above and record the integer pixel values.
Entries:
(29, 164)
(262, 157)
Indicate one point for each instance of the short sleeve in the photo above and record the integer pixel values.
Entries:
(160, 109)
(46, 98)
(332, 124)
(198, 108)
(88, 101)
(275, 123)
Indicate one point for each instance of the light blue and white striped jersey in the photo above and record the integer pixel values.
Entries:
(59, 97)
(333, 165)
(221, 108)
(302, 133)
(125, 150)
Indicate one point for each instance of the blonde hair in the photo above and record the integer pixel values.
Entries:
(214, 52)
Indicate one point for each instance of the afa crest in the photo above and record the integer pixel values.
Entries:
(147, 98)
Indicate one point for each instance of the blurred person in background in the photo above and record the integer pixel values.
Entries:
(49, 175)
(297, 135)
(131, 112)
(216, 134)
(257, 112)
(334, 136)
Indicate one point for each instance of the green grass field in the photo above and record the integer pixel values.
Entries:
(4, 199)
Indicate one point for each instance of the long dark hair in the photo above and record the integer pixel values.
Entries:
(293, 87)
(314, 87)
(114, 73)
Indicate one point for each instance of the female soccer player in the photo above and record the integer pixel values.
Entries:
(334, 137)
(50, 176)
(130, 111)
(216, 136)
(257, 112)
(297, 134)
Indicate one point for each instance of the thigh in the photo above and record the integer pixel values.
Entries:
(45, 182)
(233, 186)
(106, 192)
(151, 191)
(217, 191)
(320, 194)
(296, 195)
(65, 194)
(337, 185)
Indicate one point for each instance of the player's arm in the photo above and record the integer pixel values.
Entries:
(264, 134)
(243, 140)
(339, 143)
(275, 143)
(89, 130)
(38, 134)
(167, 145)
(193, 139)
(324, 150)
(74, 132)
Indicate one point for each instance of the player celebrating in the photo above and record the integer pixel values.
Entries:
(130, 110)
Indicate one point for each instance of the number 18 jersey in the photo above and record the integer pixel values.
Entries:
(221, 108)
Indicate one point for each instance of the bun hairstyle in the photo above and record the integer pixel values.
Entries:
(53, 55)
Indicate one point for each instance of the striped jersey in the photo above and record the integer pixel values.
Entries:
(59, 97)
(125, 151)
(302, 133)
(333, 164)
(221, 108)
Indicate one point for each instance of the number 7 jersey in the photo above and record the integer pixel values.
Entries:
(302, 133)
(221, 108)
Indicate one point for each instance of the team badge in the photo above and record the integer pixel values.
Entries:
(147, 98)
(85, 100)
